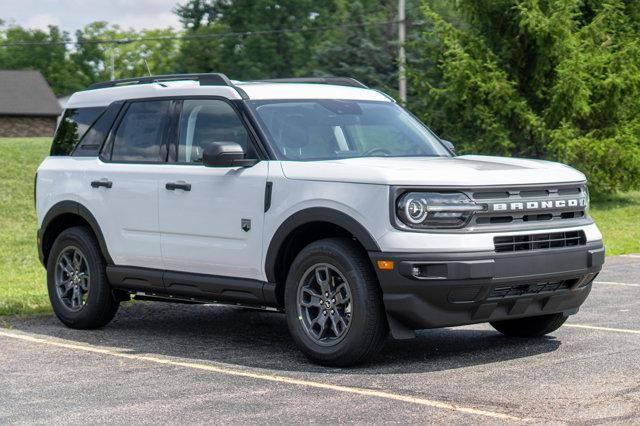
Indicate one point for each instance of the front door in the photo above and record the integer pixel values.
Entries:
(211, 219)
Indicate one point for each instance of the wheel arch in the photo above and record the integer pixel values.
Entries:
(64, 215)
(304, 227)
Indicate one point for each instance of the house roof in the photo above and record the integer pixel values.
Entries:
(26, 93)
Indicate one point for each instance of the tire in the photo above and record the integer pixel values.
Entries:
(94, 307)
(354, 331)
(530, 327)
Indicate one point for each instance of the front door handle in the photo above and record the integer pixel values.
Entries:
(172, 186)
(102, 182)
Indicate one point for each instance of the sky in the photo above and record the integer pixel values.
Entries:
(71, 15)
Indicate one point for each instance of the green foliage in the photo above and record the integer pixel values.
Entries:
(331, 37)
(131, 57)
(68, 67)
(270, 51)
(550, 79)
(556, 79)
(362, 48)
(50, 60)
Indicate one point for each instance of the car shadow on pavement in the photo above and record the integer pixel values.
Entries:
(257, 339)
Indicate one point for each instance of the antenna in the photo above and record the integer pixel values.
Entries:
(147, 65)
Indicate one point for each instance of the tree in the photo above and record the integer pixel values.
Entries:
(131, 56)
(69, 66)
(50, 59)
(551, 79)
(250, 39)
(362, 44)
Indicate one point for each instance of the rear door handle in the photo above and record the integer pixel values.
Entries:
(102, 182)
(172, 186)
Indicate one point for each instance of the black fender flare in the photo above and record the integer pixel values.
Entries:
(309, 215)
(72, 207)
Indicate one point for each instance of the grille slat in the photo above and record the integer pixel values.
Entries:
(529, 242)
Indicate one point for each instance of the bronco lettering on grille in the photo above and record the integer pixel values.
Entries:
(538, 205)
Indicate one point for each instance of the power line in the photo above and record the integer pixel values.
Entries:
(203, 36)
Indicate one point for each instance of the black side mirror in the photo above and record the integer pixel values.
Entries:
(225, 154)
(449, 146)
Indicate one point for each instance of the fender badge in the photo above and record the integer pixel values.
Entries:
(245, 224)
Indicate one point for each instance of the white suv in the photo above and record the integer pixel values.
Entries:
(315, 196)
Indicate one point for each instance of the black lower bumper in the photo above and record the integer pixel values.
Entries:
(449, 289)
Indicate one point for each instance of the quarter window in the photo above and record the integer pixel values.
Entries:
(74, 124)
(140, 133)
(204, 121)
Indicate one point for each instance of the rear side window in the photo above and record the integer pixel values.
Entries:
(139, 136)
(74, 124)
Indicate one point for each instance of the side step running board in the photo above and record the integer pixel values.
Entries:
(153, 297)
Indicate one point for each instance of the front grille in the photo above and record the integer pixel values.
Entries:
(524, 196)
(530, 242)
(530, 289)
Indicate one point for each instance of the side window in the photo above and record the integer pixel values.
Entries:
(92, 141)
(74, 124)
(203, 121)
(139, 135)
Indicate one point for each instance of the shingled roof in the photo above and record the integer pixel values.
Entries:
(26, 93)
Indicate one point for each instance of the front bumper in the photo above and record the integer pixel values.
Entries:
(449, 289)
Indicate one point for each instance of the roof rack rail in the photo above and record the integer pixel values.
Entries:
(338, 81)
(208, 79)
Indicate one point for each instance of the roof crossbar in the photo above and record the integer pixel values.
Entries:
(207, 79)
(338, 81)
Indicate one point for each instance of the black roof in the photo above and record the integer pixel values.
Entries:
(26, 93)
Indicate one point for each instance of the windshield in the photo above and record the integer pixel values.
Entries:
(333, 129)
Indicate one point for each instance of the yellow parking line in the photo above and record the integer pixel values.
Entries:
(593, 327)
(616, 283)
(262, 376)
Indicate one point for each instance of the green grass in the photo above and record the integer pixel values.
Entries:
(22, 278)
(618, 218)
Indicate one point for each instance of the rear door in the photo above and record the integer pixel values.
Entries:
(211, 219)
(125, 183)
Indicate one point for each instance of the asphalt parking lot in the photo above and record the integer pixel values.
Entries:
(163, 363)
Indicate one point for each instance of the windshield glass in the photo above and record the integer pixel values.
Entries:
(332, 129)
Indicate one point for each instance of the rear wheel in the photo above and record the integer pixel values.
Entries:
(530, 327)
(333, 303)
(80, 294)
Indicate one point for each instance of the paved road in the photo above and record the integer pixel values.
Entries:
(161, 363)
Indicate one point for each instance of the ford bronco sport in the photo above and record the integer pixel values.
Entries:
(317, 197)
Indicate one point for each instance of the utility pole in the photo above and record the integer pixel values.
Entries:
(402, 59)
(113, 62)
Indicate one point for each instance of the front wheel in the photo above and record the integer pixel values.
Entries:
(530, 327)
(334, 304)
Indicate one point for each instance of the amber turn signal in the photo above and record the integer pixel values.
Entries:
(386, 265)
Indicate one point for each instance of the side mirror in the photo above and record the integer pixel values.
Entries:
(225, 154)
(449, 145)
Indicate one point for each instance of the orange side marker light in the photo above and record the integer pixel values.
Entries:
(386, 265)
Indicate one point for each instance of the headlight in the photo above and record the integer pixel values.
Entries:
(422, 210)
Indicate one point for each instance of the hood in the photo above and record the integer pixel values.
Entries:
(463, 171)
